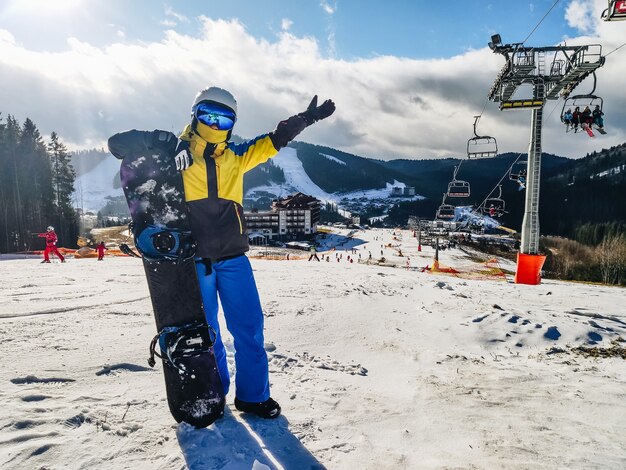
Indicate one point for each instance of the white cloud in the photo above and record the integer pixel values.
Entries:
(580, 15)
(286, 24)
(531, 7)
(328, 8)
(175, 16)
(387, 106)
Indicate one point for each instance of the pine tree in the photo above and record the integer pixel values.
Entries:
(63, 177)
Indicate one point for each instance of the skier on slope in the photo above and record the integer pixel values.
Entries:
(51, 245)
(213, 170)
(100, 249)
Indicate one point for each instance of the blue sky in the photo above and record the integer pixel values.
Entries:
(346, 29)
(407, 76)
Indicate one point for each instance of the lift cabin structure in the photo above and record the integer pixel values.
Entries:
(616, 11)
(552, 72)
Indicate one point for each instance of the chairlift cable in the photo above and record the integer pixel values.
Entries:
(619, 47)
(541, 21)
(497, 185)
(556, 105)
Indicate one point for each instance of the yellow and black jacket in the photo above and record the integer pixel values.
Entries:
(214, 193)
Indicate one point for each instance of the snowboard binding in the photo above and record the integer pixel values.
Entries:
(161, 243)
(178, 343)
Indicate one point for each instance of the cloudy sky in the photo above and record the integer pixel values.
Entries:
(407, 76)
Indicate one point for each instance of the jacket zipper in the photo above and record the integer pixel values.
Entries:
(239, 219)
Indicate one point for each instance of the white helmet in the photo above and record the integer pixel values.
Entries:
(50, 228)
(217, 95)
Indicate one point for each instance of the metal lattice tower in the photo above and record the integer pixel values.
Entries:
(568, 66)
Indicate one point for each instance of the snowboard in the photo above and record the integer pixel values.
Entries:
(601, 130)
(154, 193)
(588, 130)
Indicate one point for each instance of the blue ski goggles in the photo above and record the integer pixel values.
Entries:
(213, 114)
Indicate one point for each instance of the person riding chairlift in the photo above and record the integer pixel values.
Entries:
(597, 117)
(521, 179)
(585, 117)
(568, 118)
(576, 118)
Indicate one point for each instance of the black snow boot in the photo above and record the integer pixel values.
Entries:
(267, 409)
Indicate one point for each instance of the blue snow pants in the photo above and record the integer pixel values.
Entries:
(233, 281)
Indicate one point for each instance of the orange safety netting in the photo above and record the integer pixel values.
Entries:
(84, 252)
(490, 269)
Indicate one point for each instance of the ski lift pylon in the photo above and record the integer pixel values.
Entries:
(481, 146)
(616, 11)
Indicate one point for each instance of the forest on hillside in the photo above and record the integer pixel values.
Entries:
(36, 186)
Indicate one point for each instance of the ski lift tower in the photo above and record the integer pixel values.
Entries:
(551, 72)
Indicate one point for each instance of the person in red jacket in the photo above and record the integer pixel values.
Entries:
(51, 245)
(101, 249)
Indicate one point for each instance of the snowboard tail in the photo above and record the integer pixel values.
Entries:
(154, 193)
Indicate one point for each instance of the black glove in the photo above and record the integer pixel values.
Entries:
(316, 113)
(288, 129)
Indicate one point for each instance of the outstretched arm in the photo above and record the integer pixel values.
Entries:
(288, 129)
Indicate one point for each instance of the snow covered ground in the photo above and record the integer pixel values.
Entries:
(375, 367)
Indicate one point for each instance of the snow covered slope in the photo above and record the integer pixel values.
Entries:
(375, 367)
(93, 186)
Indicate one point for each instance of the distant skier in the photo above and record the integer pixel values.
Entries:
(101, 248)
(213, 170)
(51, 245)
(313, 254)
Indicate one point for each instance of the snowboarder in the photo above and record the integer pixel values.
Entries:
(100, 249)
(213, 169)
(51, 245)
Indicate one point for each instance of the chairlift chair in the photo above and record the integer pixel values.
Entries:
(458, 188)
(579, 101)
(445, 211)
(481, 146)
(616, 11)
(494, 204)
(518, 169)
